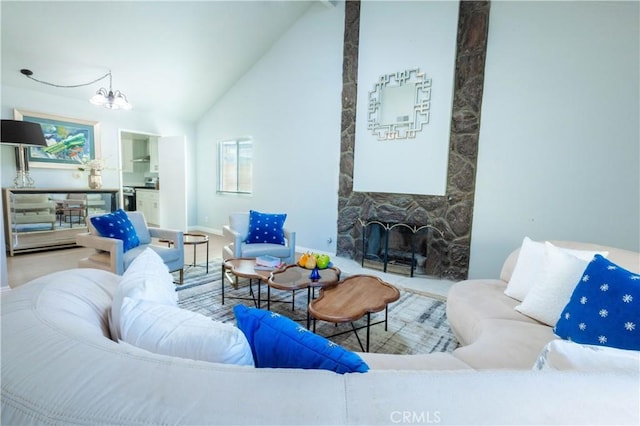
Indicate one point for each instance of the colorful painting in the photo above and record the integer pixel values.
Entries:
(69, 140)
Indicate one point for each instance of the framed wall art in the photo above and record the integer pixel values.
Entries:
(69, 140)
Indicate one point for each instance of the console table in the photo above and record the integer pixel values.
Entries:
(40, 219)
(375, 244)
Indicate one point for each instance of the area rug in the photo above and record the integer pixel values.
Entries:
(417, 323)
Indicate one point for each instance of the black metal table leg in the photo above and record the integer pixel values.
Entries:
(268, 297)
(386, 316)
(368, 328)
(355, 331)
(259, 292)
(223, 268)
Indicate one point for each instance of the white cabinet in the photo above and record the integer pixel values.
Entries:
(148, 202)
(127, 155)
(154, 165)
(134, 154)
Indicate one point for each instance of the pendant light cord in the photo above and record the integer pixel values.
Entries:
(29, 74)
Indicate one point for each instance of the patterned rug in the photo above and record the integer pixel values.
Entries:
(417, 324)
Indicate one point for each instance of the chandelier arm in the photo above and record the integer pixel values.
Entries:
(29, 75)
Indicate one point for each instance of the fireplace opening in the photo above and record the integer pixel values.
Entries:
(394, 247)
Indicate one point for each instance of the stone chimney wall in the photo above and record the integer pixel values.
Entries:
(452, 214)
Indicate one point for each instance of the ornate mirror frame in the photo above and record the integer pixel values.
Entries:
(399, 105)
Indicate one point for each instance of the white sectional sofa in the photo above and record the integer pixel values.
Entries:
(60, 366)
(492, 334)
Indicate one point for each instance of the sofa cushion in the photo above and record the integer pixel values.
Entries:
(278, 342)
(604, 308)
(117, 225)
(266, 228)
(549, 295)
(146, 278)
(505, 344)
(530, 258)
(255, 250)
(169, 330)
(469, 302)
(531, 263)
(565, 355)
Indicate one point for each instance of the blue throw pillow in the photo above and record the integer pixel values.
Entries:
(117, 225)
(604, 308)
(278, 342)
(265, 228)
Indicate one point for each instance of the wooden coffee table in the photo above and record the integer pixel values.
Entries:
(294, 277)
(245, 268)
(351, 299)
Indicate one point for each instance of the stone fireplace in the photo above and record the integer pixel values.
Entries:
(447, 245)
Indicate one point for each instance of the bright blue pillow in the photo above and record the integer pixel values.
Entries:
(266, 228)
(279, 342)
(604, 308)
(117, 225)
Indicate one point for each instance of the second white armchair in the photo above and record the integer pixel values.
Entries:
(236, 233)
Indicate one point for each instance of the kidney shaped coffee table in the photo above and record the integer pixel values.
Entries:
(353, 298)
(244, 268)
(294, 277)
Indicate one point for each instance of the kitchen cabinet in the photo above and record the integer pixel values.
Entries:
(134, 155)
(40, 219)
(154, 163)
(148, 202)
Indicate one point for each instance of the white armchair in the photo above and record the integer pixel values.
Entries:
(110, 254)
(236, 233)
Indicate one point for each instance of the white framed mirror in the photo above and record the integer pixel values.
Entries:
(399, 105)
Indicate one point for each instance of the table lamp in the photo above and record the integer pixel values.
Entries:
(22, 134)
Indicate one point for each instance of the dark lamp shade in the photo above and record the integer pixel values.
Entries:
(14, 132)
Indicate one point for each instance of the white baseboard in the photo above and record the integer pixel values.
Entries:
(206, 229)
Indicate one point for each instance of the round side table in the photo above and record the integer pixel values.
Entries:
(195, 240)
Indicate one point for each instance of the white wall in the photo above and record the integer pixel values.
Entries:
(289, 103)
(559, 143)
(394, 37)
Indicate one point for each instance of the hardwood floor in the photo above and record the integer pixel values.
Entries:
(23, 268)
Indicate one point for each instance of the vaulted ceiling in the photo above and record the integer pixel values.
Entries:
(170, 58)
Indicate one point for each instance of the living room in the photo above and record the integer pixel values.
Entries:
(546, 145)
(544, 142)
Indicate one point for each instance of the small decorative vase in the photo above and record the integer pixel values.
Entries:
(95, 179)
(314, 275)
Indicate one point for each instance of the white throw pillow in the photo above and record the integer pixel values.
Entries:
(525, 273)
(146, 278)
(169, 330)
(559, 275)
(566, 355)
(531, 263)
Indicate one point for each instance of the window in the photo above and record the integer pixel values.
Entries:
(235, 166)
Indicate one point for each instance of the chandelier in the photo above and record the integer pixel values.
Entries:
(110, 99)
(103, 97)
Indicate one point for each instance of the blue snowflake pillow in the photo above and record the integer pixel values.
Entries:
(604, 308)
(266, 228)
(117, 225)
(279, 342)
